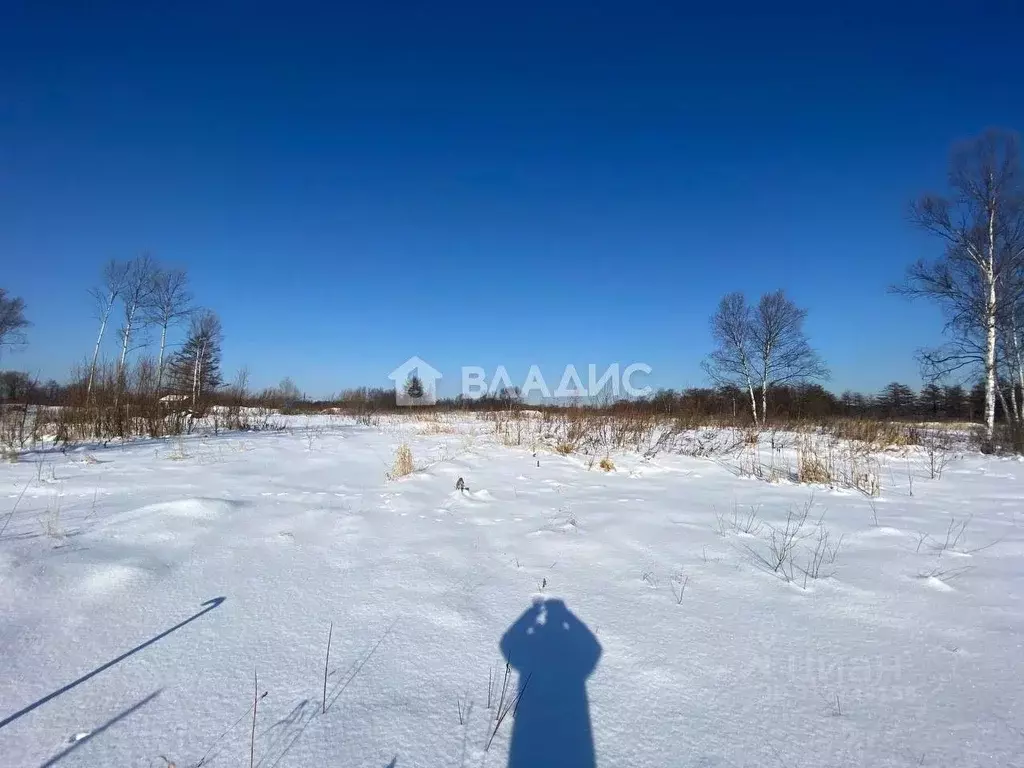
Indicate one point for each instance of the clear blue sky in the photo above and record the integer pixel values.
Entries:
(349, 184)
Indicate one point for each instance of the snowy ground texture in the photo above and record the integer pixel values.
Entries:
(141, 586)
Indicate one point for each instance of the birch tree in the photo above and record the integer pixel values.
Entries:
(105, 295)
(761, 347)
(732, 361)
(981, 226)
(782, 353)
(169, 304)
(136, 296)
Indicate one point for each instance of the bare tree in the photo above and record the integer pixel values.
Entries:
(761, 347)
(135, 298)
(976, 281)
(105, 294)
(732, 362)
(169, 304)
(12, 320)
(782, 353)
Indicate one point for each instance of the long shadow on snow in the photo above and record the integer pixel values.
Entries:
(554, 653)
(97, 731)
(210, 605)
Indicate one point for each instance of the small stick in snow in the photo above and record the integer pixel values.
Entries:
(490, 685)
(255, 704)
(504, 688)
(512, 706)
(15, 507)
(202, 760)
(327, 662)
(683, 581)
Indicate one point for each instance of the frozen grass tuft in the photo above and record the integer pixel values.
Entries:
(403, 462)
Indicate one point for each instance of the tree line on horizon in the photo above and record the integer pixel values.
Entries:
(762, 364)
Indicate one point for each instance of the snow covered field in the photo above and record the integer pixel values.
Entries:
(141, 586)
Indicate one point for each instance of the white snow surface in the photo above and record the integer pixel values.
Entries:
(907, 651)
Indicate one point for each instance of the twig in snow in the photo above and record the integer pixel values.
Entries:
(490, 686)
(945, 575)
(255, 705)
(202, 760)
(954, 533)
(15, 507)
(835, 707)
(683, 581)
(921, 536)
(504, 688)
(327, 662)
(512, 706)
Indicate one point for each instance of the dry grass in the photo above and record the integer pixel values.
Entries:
(403, 462)
(879, 435)
(827, 460)
(811, 465)
(607, 464)
(435, 428)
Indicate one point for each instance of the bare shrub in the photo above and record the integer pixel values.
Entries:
(748, 522)
(938, 451)
(954, 540)
(822, 558)
(607, 464)
(943, 573)
(782, 542)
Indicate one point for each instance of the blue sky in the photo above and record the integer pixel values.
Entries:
(484, 184)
